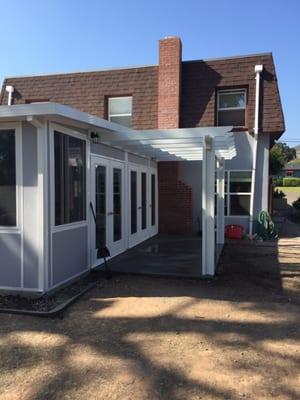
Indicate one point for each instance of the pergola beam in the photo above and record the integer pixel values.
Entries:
(220, 201)
(208, 207)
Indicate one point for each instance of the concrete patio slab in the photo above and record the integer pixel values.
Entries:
(169, 255)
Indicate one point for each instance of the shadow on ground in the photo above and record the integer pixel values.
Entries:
(233, 337)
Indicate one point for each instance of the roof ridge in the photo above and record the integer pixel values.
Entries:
(87, 71)
(231, 57)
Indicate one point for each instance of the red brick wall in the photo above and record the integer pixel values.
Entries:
(175, 197)
(169, 82)
(175, 201)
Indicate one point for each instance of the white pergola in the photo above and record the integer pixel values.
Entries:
(211, 145)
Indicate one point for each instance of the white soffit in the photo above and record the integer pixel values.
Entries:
(161, 145)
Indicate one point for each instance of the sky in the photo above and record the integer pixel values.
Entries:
(48, 36)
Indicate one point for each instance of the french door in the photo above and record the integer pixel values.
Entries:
(142, 204)
(107, 198)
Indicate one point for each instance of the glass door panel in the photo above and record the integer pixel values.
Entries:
(117, 204)
(144, 199)
(153, 199)
(100, 200)
(133, 201)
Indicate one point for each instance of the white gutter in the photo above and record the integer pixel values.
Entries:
(258, 69)
(10, 89)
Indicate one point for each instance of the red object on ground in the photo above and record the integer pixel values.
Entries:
(234, 231)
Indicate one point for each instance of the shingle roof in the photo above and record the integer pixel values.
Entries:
(88, 91)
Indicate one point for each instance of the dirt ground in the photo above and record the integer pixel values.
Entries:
(138, 338)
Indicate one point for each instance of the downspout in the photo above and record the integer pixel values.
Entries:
(10, 89)
(258, 69)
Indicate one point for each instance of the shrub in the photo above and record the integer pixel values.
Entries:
(278, 194)
(296, 204)
(291, 181)
(278, 181)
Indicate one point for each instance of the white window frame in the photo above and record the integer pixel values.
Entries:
(19, 178)
(67, 131)
(230, 91)
(227, 192)
(118, 115)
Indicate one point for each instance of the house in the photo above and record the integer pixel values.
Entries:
(148, 149)
(292, 168)
(297, 149)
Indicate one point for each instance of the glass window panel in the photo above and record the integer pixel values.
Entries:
(144, 200)
(7, 178)
(100, 206)
(70, 179)
(240, 181)
(117, 187)
(133, 188)
(233, 99)
(124, 120)
(231, 117)
(76, 179)
(153, 199)
(120, 105)
(226, 182)
(225, 205)
(239, 204)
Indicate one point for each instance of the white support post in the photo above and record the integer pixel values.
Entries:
(43, 233)
(208, 207)
(220, 201)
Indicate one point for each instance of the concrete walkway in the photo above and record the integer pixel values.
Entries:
(169, 255)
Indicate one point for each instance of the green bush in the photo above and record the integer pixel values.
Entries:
(296, 204)
(278, 181)
(289, 181)
(278, 194)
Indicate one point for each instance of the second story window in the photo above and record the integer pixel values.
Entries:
(231, 107)
(120, 110)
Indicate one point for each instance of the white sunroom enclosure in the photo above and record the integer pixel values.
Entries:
(59, 165)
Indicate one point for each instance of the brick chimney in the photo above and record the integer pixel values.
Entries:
(169, 82)
(175, 197)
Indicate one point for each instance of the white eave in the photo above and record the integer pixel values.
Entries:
(159, 144)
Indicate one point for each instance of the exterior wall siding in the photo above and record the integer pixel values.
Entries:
(19, 267)
(69, 254)
(10, 265)
(31, 205)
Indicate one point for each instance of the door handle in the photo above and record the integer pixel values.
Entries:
(140, 207)
(110, 213)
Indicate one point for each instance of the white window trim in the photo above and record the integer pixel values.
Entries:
(227, 192)
(71, 132)
(19, 178)
(233, 91)
(118, 115)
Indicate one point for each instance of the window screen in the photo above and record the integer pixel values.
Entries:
(70, 179)
(7, 178)
(231, 108)
(120, 110)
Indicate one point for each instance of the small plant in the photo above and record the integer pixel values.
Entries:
(296, 204)
(291, 182)
(278, 194)
(278, 181)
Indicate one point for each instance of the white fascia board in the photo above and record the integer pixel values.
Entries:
(49, 109)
